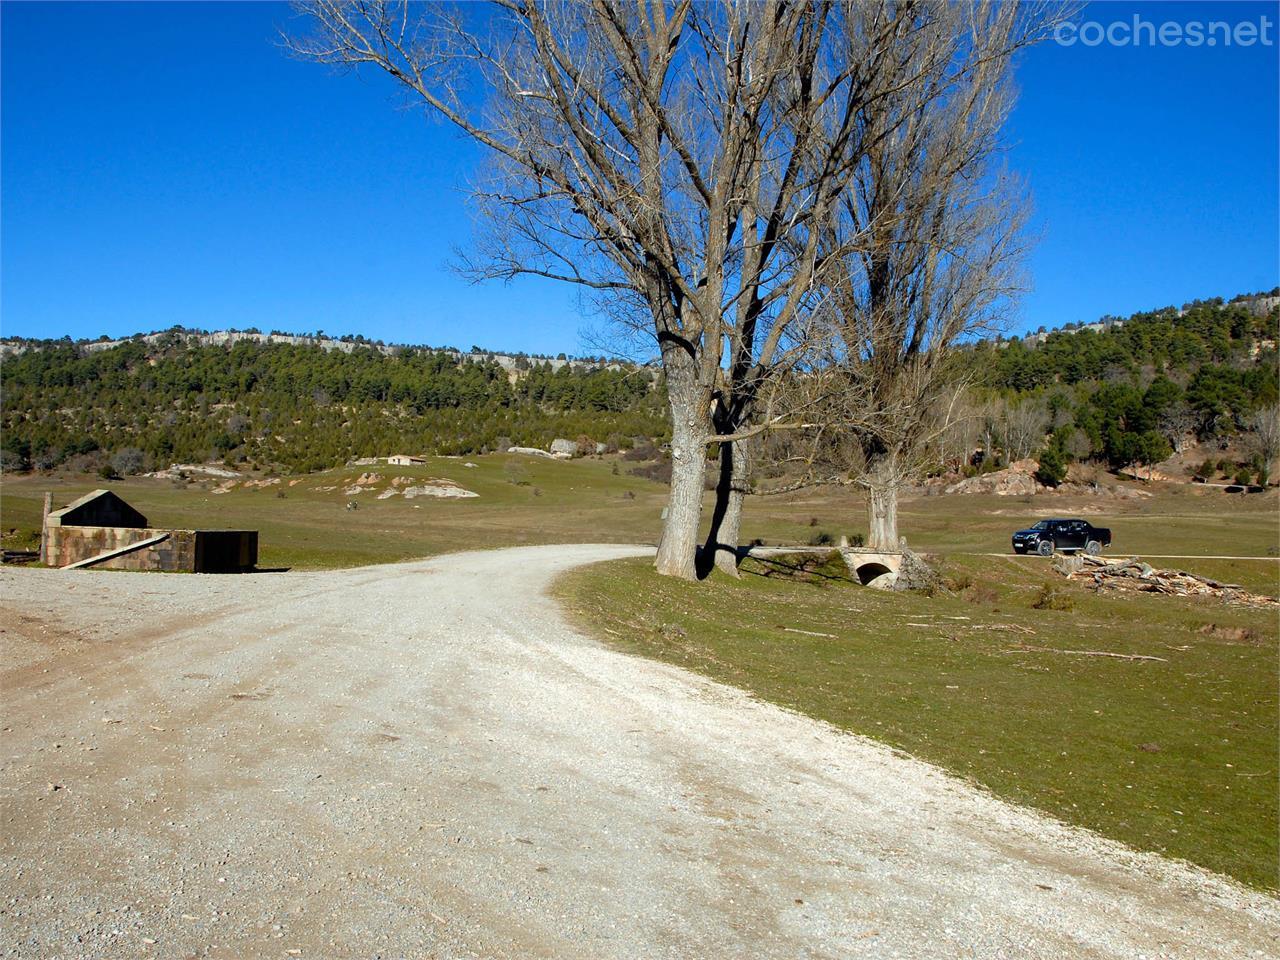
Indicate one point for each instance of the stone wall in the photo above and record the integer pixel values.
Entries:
(66, 545)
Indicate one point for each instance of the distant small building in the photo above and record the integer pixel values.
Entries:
(101, 530)
(404, 460)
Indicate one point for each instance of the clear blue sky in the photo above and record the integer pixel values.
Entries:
(167, 163)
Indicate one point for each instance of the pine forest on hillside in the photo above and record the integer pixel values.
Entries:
(1131, 392)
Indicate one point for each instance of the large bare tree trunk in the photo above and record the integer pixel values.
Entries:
(678, 548)
(882, 510)
(722, 542)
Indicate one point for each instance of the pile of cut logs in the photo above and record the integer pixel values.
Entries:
(1134, 575)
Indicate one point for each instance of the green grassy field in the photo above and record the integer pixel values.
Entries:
(520, 500)
(1177, 755)
(1183, 520)
(530, 500)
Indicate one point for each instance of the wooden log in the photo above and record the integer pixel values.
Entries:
(1085, 653)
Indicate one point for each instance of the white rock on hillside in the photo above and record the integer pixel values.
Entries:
(442, 488)
(1016, 481)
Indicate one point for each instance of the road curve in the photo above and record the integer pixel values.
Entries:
(424, 760)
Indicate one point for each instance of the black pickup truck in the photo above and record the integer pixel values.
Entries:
(1069, 536)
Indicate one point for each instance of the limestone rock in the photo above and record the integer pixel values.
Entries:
(445, 489)
(1017, 480)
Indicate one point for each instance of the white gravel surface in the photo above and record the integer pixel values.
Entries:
(424, 760)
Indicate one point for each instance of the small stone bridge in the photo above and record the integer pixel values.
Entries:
(869, 566)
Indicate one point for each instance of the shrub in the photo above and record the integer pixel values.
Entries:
(658, 472)
(1206, 470)
(85, 462)
(1053, 468)
(981, 593)
(516, 473)
(108, 472)
(640, 452)
(1243, 476)
(13, 462)
(1051, 598)
(46, 459)
(822, 539)
(857, 540)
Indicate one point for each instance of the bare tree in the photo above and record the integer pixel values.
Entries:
(1177, 423)
(1022, 424)
(932, 229)
(919, 254)
(962, 437)
(1264, 434)
(677, 160)
(128, 461)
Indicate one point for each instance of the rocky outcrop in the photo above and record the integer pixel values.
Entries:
(362, 483)
(176, 470)
(445, 489)
(1018, 480)
(439, 487)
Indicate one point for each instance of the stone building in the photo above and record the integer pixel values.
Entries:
(101, 530)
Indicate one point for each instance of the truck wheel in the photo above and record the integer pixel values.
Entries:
(1093, 548)
(1045, 548)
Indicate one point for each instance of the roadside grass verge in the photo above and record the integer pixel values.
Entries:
(1176, 755)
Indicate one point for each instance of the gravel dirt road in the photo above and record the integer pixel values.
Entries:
(424, 760)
